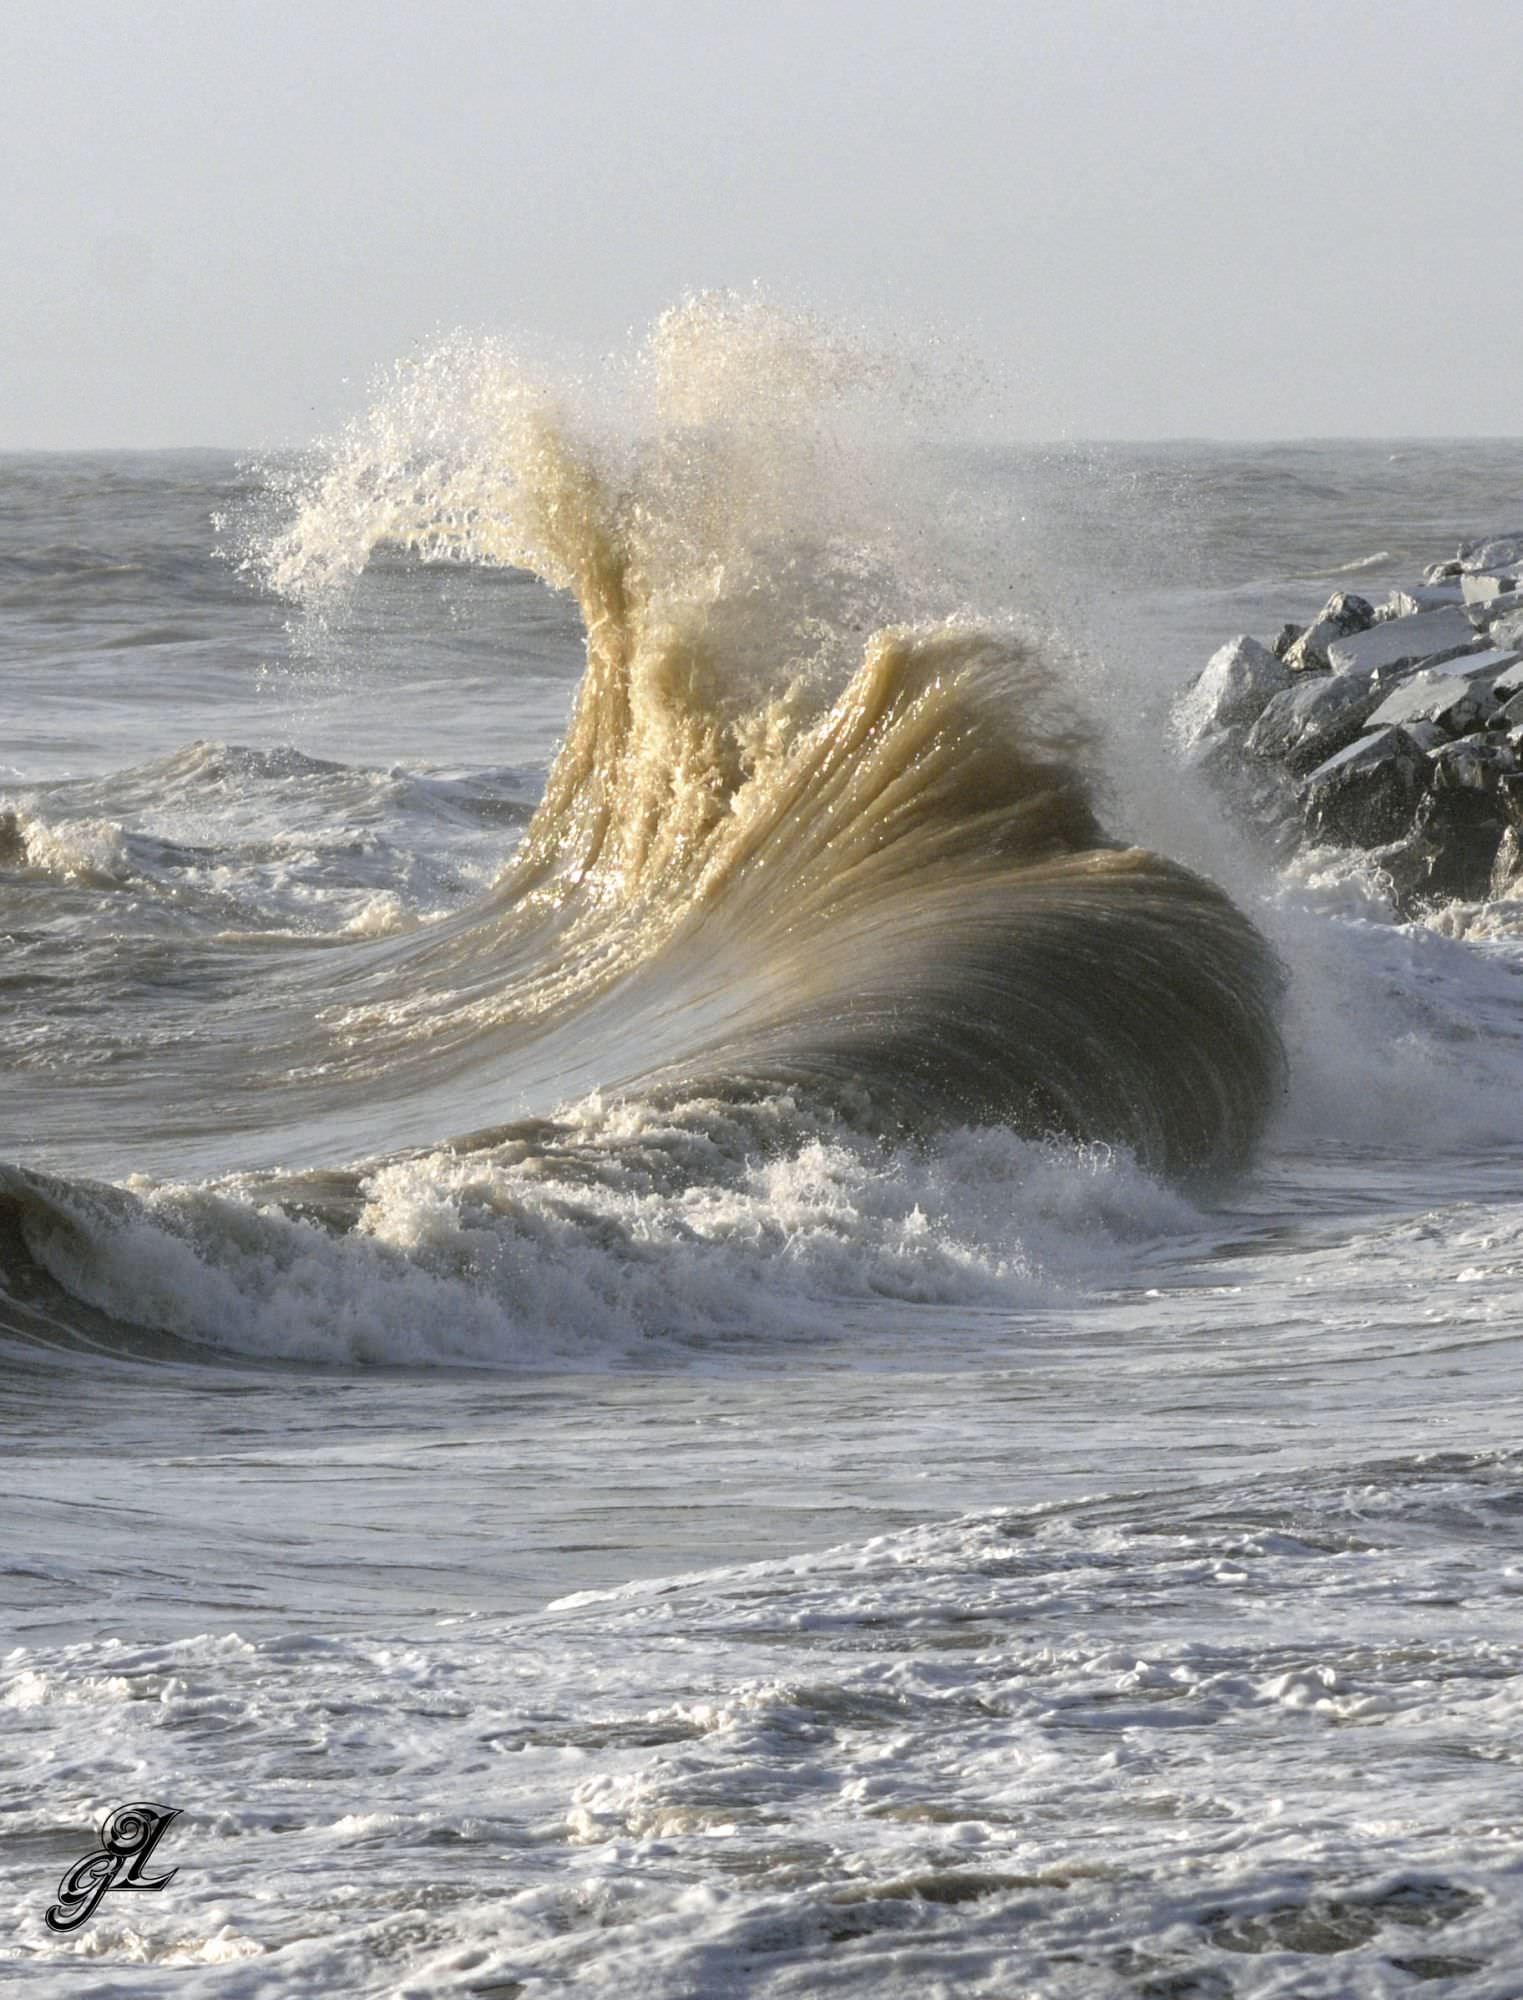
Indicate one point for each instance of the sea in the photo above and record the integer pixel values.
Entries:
(561, 1411)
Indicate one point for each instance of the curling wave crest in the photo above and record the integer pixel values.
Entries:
(816, 891)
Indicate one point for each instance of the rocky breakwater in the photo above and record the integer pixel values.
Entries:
(1395, 728)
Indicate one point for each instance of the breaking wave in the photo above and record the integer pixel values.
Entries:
(819, 854)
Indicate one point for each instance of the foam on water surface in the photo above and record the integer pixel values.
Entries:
(1027, 1745)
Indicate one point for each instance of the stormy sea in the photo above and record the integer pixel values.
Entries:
(706, 1287)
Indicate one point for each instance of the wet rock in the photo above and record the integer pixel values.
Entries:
(1231, 693)
(1400, 732)
(1476, 763)
(1367, 791)
(1507, 865)
(1427, 637)
(1459, 698)
(1457, 833)
(1312, 719)
(1342, 615)
(1405, 863)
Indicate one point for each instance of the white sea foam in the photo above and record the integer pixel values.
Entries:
(91, 852)
(1027, 1744)
(525, 1257)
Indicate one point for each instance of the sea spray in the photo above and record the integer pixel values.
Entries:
(878, 835)
(817, 876)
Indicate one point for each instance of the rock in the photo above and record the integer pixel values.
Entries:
(1342, 614)
(1484, 614)
(1510, 680)
(1457, 834)
(1230, 692)
(1507, 865)
(1482, 586)
(1400, 731)
(1284, 639)
(1314, 717)
(1429, 636)
(1476, 763)
(1366, 792)
(1427, 735)
(1458, 698)
(1492, 552)
(1423, 597)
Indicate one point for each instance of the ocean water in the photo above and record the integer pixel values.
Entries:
(560, 1405)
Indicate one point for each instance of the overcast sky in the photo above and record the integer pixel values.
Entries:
(1239, 218)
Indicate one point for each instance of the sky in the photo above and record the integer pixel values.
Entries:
(1152, 218)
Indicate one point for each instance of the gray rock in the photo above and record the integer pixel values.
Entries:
(1429, 636)
(1343, 613)
(1482, 586)
(1458, 698)
(1475, 763)
(1457, 832)
(1507, 631)
(1484, 615)
(1284, 639)
(1493, 551)
(1314, 717)
(1366, 792)
(1440, 572)
(1423, 597)
(1458, 847)
(1230, 692)
(1427, 735)
(1510, 680)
